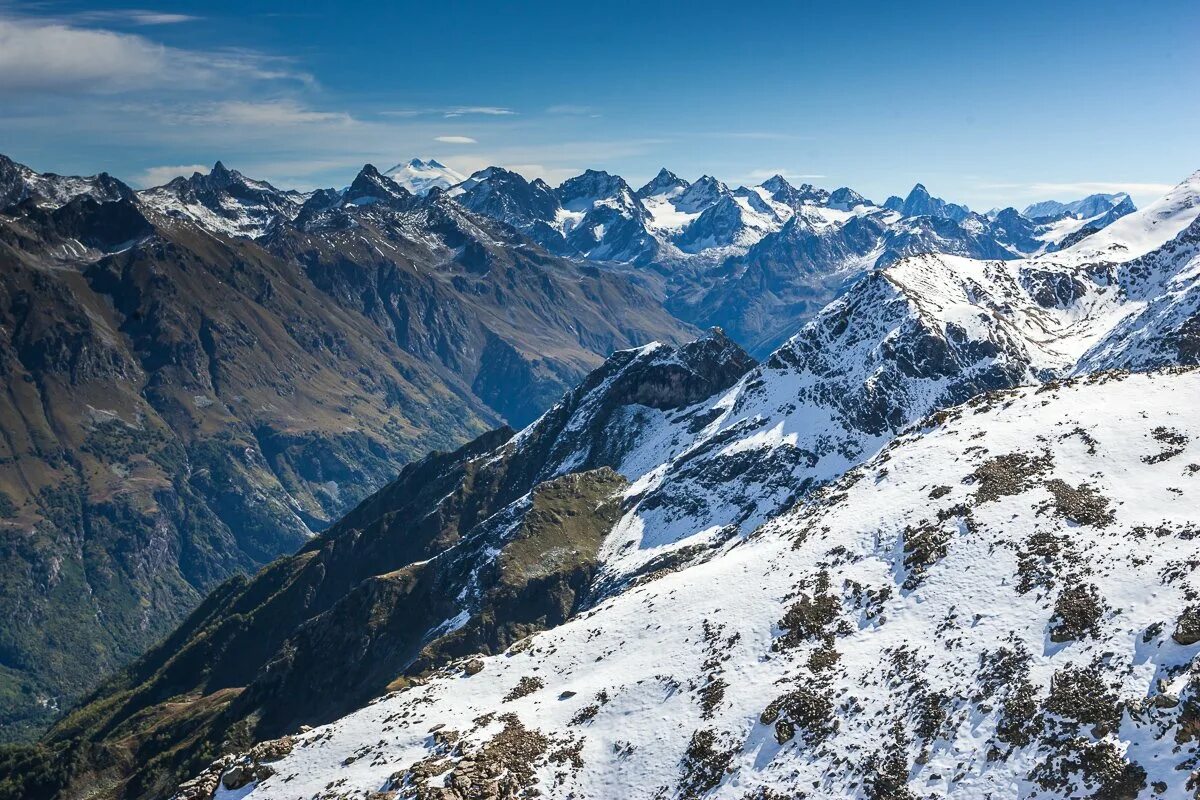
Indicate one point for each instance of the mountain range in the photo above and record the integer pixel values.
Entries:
(183, 402)
(759, 261)
(689, 573)
(937, 543)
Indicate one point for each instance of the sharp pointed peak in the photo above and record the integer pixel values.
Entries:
(776, 182)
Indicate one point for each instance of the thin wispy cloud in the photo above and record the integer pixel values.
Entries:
(487, 111)
(132, 16)
(276, 112)
(454, 111)
(157, 176)
(455, 140)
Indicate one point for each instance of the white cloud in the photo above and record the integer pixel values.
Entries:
(157, 176)
(153, 18)
(39, 55)
(134, 16)
(454, 111)
(455, 140)
(490, 111)
(276, 113)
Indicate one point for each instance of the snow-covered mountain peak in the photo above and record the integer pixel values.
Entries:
(370, 186)
(665, 184)
(781, 191)
(920, 202)
(702, 194)
(420, 176)
(528, 206)
(224, 200)
(777, 183)
(221, 178)
(18, 182)
(584, 191)
(846, 199)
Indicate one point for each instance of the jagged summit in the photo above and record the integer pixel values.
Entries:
(664, 183)
(224, 200)
(681, 229)
(920, 203)
(784, 192)
(370, 185)
(592, 186)
(20, 183)
(846, 199)
(700, 195)
(777, 183)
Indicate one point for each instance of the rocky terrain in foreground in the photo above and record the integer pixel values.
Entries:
(1001, 603)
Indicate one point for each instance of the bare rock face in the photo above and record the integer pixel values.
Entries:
(237, 776)
(1187, 628)
(234, 772)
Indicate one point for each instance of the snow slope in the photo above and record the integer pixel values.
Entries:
(990, 607)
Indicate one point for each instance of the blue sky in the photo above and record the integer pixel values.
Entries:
(986, 103)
